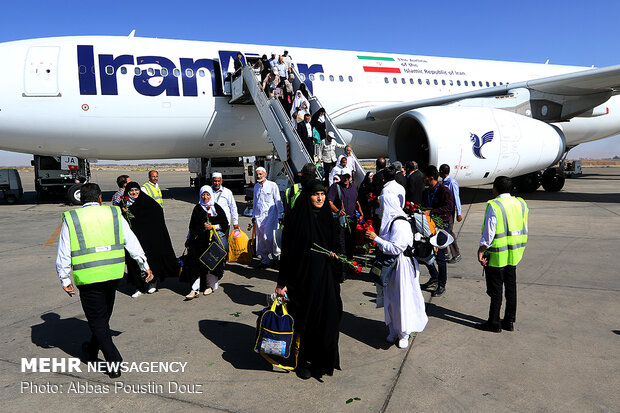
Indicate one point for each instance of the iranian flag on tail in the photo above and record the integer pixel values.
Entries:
(375, 64)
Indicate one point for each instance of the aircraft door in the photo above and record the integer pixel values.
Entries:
(41, 71)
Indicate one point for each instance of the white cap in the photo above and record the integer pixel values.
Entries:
(330, 134)
(216, 175)
(260, 168)
(441, 239)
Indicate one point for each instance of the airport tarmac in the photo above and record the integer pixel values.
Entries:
(564, 354)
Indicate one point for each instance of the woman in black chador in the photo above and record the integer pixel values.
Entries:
(310, 281)
(207, 219)
(146, 219)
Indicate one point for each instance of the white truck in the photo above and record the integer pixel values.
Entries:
(236, 171)
(11, 185)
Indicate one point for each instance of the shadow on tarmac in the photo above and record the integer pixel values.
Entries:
(66, 334)
(241, 294)
(233, 338)
(433, 310)
(370, 332)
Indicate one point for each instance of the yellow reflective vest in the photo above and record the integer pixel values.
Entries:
(510, 232)
(154, 192)
(97, 243)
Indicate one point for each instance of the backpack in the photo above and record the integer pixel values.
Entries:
(423, 228)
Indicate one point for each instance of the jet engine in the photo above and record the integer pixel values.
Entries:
(478, 143)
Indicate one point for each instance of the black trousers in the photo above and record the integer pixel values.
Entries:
(98, 302)
(498, 277)
(327, 168)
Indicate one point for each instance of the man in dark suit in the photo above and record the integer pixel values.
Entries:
(399, 177)
(415, 183)
(304, 130)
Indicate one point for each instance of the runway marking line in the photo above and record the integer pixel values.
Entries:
(52, 239)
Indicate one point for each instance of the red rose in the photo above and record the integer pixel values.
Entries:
(359, 269)
(126, 198)
(354, 263)
(208, 207)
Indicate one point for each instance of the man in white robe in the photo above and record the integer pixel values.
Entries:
(224, 198)
(267, 211)
(404, 306)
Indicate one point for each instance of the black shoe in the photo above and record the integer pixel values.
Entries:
(303, 373)
(429, 284)
(114, 374)
(87, 353)
(438, 291)
(508, 325)
(454, 260)
(486, 326)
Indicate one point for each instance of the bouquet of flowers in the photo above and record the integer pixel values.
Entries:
(357, 267)
(411, 208)
(125, 208)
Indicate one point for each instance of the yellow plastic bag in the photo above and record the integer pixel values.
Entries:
(239, 247)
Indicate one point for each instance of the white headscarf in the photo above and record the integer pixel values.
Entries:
(207, 206)
(390, 204)
(299, 100)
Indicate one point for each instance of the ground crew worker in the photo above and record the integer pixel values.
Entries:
(92, 241)
(151, 188)
(308, 173)
(504, 235)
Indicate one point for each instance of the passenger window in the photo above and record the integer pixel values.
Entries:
(473, 83)
(331, 78)
(137, 71)
(341, 78)
(150, 71)
(435, 82)
(176, 72)
(403, 81)
(488, 84)
(428, 82)
(443, 82)
(458, 83)
(189, 73)
(123, 70)
(322, 78)
(394, 80)
(465, 83)
(480, 83)
(350, 78)
(500, 83)
(419, 81)
(387, 80)
(411, 80)
(311, 77)
(201, 73)
(451, 82)
(494, 84)
(302, 77)
(109, 70)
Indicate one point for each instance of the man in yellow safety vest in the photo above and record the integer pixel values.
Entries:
(92, 243)
(151, 188)
(504, 235)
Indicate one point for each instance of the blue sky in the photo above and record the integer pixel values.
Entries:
(566, 32)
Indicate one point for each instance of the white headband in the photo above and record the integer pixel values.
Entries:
(216, 175)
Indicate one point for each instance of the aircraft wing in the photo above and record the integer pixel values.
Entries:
(594, 85)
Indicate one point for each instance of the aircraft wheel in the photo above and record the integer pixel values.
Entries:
(552, 180)
(528, 183)
(74, 194)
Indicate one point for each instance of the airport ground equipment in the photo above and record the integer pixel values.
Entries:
(11, 185)
(236, 171)
(60, 175)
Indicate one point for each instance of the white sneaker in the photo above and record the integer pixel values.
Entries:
(208, 291)
(151, 290)
(137, 294)
(403, 342)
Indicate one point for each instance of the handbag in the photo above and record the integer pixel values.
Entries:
(276, 340)
(214, 254)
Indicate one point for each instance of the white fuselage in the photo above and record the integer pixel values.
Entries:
(81, 95)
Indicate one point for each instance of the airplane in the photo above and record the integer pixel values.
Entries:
(111, 97)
